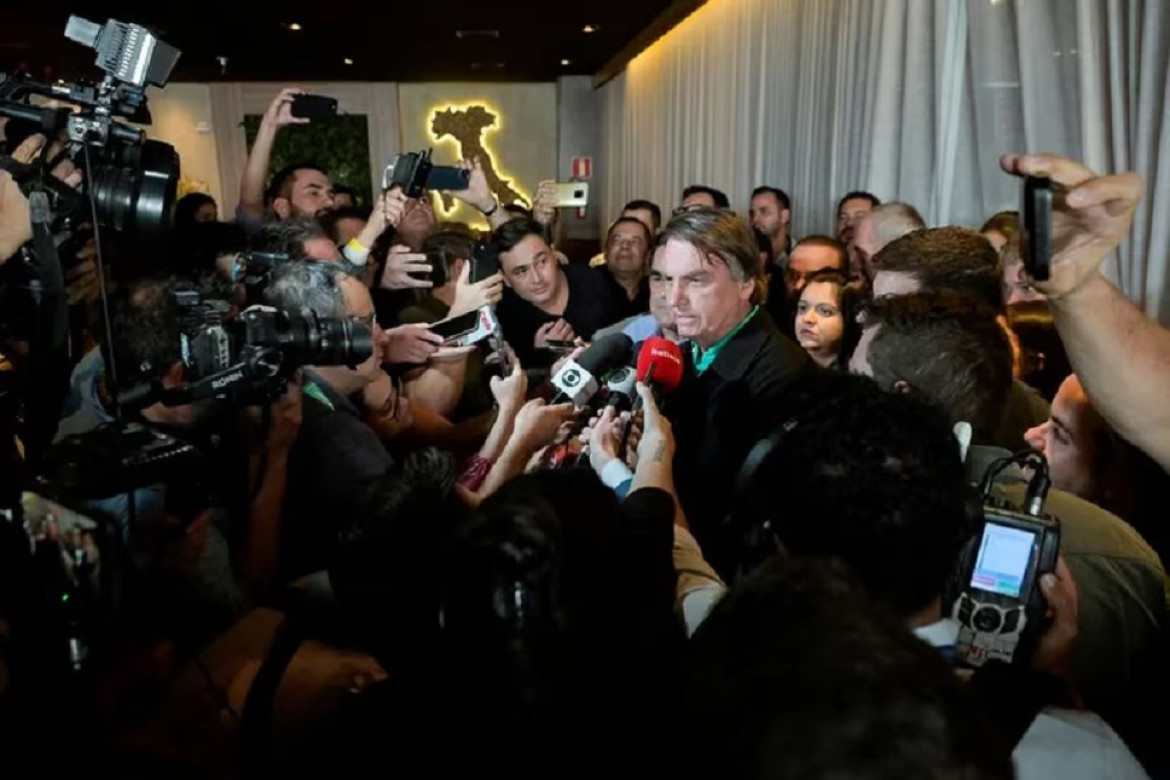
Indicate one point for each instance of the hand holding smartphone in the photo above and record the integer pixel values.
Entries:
(306, 106)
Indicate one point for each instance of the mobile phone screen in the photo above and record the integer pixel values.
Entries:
(1002, 564)
(459, 326)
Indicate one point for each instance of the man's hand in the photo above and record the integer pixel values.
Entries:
(538, 424)
(394, 204)
(657, 443)
(469, 297)
(15, 220)
(400, 264)
(279, 113)
(81, 281)
(478, 194)
(605, 438)
(1060, 589)
(287, 414)
(33, 147)
(544, 206)
(554, 331)
(1089, 222)
(410, 344)
(509, 392)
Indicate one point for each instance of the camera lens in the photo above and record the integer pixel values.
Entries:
(135, 191)
(320, 341)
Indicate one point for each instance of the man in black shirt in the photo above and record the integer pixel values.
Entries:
(543, 299)
(336, 455)
(627, 261)
(738, 368)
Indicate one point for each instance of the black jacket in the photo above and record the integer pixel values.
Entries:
(719, 415)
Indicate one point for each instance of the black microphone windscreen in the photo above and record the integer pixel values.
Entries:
(609, 352)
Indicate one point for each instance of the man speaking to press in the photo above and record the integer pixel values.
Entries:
(739, 369)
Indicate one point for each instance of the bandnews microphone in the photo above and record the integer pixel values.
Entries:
(660, 365)
(578, 382)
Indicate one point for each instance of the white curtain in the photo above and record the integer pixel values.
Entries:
(913, 100)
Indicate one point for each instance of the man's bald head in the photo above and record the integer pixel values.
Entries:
(884, 224)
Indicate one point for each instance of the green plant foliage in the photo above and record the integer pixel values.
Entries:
(341, 146)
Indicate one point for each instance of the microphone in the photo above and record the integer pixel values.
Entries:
(619, 387)
(577, 381)
(660, 365)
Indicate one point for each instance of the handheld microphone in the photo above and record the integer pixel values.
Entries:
(619, 387)
(660, 365)
(577, 380)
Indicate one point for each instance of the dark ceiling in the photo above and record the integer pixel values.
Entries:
(387, 41)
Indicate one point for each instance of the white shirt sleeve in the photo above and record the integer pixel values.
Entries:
(1071, 745)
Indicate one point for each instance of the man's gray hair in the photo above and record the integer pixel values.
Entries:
(891, 221)
(719, 234)
(300, 285)
(289, 236)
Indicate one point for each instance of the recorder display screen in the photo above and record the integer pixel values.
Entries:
(1002, 565)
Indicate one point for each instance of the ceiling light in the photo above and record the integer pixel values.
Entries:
(591, 28)
(566, 62)
(294, 26)
(348, 61)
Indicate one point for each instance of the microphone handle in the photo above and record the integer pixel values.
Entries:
(626, 433)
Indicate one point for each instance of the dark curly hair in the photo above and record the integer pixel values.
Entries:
(872, 478)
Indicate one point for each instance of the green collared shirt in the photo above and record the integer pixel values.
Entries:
(704, 359)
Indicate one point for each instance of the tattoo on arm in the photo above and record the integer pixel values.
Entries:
(659, 452)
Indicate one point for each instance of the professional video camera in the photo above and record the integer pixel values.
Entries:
(132, 181)
(249, 359)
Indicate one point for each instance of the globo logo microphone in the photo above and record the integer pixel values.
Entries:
(577, 379)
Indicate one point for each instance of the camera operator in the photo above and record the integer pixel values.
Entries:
(1117, 662)
(336, 454)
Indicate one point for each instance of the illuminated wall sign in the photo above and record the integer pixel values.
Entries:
(467, 127)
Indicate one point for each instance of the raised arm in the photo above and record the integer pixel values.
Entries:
(278, 115)
(1121, 356)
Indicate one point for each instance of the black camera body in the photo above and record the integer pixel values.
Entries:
(249, 359)
(1001, 609)
(132, 181)
(414, 173)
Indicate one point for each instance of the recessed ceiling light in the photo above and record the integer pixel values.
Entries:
(591, 28)
(348, 61)
(294, 26)
(566, 62)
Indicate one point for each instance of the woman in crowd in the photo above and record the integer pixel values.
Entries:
(826, 318)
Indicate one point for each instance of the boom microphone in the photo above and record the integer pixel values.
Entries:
(577, 380)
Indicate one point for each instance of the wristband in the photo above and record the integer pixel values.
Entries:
(355, 252)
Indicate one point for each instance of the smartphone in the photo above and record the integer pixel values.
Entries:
(572, 195)
(438, 262)
(457, 327)
(314, 107)
(485, 262)
(1036, 227)
(448, 177)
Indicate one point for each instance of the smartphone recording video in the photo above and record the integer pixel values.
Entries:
(308, 106)
(572, 195)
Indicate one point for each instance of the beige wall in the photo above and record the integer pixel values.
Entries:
(182, 118)
(523, 141)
